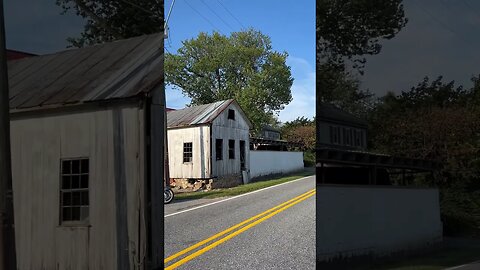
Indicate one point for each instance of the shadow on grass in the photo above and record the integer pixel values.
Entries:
(257, 184)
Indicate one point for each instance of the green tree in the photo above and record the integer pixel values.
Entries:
(347, 31)
(342, 89)
(109, 20)
(438, 121)
(350, 29)
(242, 66)
(302, 131)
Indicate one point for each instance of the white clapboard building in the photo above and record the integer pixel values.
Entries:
(209, 142)
(87, 126)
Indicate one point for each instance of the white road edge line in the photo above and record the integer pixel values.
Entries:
(463, 265)
(235, 197)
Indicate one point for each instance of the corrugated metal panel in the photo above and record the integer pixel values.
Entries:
(119, 69)
(196, 115)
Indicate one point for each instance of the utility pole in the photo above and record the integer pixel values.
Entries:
(7, 235)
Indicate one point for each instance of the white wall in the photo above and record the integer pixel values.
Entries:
(270, 162)
(354, 221)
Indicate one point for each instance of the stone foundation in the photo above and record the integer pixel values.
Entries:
(186, 184)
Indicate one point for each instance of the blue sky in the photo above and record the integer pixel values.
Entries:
(289, 23)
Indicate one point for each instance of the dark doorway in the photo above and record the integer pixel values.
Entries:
(242, 155)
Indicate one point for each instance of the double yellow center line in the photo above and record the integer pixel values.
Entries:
(253, 221)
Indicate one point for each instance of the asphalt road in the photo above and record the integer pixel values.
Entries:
(283, 238)
(469, 266)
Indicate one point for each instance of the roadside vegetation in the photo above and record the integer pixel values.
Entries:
(216, 193)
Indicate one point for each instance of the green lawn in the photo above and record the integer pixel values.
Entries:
(243, 188)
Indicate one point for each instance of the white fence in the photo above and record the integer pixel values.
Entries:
(360, 221)
(272, 162)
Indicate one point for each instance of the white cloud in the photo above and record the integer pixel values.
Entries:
(303, 91)
(175, 99)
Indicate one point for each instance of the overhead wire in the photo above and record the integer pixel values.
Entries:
(231, 14)
(200, 14)
(442, 24)
(218, 16)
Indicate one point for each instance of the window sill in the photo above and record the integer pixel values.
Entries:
(74, 225)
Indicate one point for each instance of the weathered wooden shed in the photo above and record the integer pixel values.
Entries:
(209, 141)
(87, 133)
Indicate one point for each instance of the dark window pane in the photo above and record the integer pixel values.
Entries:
(84, 197)
(76, 181)
(83, 213)
(219, 149)
(84, 166)
(66, 214)
(76, 198)
(75, 166)
(231, 114)
(67, 198)
(75, 213)
(66, 167)
(187, 152)
(84, 181)
(66, 183)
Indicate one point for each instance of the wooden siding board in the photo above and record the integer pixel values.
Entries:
(204, 164)
(41, 242)
(200, 165)
(226, 129)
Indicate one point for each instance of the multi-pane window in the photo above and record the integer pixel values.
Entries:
(187, 152)
(358, 141)
(231, 114)
(219, 149)
(231, 149)
(74, 201)
(335, 135)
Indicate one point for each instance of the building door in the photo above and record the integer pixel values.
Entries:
(242, 155)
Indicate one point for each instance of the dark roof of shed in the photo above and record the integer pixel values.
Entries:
(332, 113)
(270, 128)
(199, 115)
(113, 70)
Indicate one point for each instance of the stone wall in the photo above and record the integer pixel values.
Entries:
(185, 184)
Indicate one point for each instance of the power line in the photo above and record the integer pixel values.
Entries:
(168, 15)
(444, 25)
(199, 14)
(471, 8)
(444, 4)
(218, 16)
(231, 14)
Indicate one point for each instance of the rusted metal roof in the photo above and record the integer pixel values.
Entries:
(14, 55)
(196, 115)
(114, 70)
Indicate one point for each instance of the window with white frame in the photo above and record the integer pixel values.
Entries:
(187, 152)
(74, 193)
